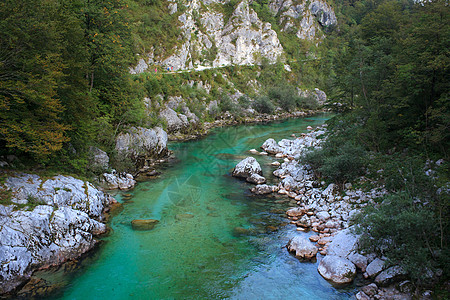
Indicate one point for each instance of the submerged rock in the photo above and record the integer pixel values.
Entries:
(337, 269)
(247, 167)
(302, 248)
(147, 224)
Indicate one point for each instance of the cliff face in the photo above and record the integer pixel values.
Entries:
(212, 37)
(61, 218)
(308, 21)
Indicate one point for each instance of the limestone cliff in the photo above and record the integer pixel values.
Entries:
(212, 37)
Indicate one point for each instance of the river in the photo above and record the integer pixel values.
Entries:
(215, 239)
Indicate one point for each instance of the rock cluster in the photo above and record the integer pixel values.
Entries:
(58, 222)
(327, 212)
(121, 181)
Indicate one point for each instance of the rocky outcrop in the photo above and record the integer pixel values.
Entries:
(211, 40)
(247, 167)
(302, 248)
(59, 220)
(122, 181)
(315, 18)
(337, 269)
(142, 143)
(98, 159)
(175, 121)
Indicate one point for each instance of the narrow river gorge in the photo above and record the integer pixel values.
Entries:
(214, 240)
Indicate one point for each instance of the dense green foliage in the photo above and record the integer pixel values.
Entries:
(391, 75)
(63, 76)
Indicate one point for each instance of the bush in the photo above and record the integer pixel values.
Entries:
(244, 101)
(226, 104)
(345, 165)
(406, 230)
(285, 96)
(263, 105)
(338, 162)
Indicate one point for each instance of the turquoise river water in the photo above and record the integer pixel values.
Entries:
(215, 239)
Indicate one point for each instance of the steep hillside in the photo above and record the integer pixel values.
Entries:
(216, 33)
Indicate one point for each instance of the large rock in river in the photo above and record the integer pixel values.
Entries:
(302, 248)
(337, 269)
(256, 179)
(61, 218)
(271, 146)
(247, 167)
(146, 224)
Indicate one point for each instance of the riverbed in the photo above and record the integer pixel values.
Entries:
(214, 240)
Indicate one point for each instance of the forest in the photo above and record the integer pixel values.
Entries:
(65, 86)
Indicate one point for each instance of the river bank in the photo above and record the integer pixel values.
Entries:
(326, 210)
(196, 250)
(33, 195)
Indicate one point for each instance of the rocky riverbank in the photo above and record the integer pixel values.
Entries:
(48, 222)
(326, 211)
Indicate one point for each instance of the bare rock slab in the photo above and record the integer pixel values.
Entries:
(337, 269)
(302, 248)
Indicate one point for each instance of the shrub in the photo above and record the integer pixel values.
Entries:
(405, 229)
(226, 104)
(338, 162)
(345, 165)
(262, 104)
(244, 101)
(285, 96)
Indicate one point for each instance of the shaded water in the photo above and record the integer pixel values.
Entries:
(214, 239)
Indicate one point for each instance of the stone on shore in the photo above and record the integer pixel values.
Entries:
(337, 269)
(295, 212)
(375, 267)
(122, 181)
(256, 179)
(262, 189)
(271, 146)
(302, 248)
(389, 276)
(359, 260)
(343, 244)
(247, 167)
(147, 224)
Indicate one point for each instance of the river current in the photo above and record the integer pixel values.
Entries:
(215, 239)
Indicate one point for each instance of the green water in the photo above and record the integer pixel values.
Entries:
(194, 253)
